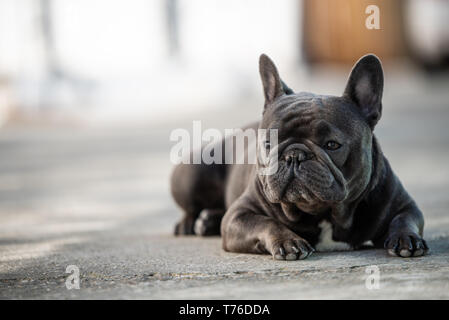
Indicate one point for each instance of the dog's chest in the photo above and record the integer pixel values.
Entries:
(326, 241)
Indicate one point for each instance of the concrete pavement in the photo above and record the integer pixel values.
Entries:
(98, 198)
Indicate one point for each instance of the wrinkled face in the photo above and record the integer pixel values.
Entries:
(323, 151)
(324, 148)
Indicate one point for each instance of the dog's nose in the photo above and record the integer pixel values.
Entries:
(296, 156)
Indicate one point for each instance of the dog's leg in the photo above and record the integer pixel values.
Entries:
(208, 222)
(194, 188)
(248, 232)
(186, 224)
(404, 238)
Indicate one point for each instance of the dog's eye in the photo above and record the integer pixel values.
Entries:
(332, 145)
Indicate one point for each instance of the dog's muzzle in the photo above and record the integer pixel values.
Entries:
(295, 154)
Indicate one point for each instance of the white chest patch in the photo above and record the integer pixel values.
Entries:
(325, 241)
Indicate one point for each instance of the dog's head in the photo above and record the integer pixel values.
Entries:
(324, 149)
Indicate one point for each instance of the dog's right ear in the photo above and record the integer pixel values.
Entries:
(273, 86)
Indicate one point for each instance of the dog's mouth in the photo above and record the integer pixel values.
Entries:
(309, 186)
(310, 190)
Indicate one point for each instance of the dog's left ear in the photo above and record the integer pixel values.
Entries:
(273, 86)
(365, 87)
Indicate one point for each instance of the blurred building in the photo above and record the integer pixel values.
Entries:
(335, 30)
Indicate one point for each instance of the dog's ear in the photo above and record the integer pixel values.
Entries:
(365, 87)
(273, 86)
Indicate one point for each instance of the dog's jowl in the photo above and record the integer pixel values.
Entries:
(333, 189)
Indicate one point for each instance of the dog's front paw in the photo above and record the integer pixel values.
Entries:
(406, 245)
(291, 249)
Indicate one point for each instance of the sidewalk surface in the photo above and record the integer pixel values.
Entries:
(99, 199)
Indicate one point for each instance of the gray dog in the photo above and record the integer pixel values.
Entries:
(333, 188)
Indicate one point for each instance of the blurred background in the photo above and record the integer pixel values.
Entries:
(110, 62)
(91, 89)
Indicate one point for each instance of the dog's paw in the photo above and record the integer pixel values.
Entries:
(406, 245)
(208, 223)
(291, 249)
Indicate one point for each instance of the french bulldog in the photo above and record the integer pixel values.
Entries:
(333, 188)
